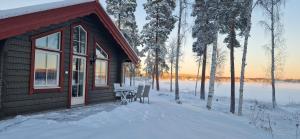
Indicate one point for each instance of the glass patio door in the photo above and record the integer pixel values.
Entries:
(78, 80)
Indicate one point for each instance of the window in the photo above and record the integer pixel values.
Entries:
(79, 40)
(101, 67)
(46, 64)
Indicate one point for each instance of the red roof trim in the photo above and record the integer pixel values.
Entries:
(21, 24)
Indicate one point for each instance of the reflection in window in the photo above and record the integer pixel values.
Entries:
(101, 67)
(46, 67)
(79, 40)
(51, 41)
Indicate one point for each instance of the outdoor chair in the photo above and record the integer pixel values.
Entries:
(146, 93)
(116, 87)
(139, 93)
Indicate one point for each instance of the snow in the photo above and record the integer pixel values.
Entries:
(40, 7)
(163, 118)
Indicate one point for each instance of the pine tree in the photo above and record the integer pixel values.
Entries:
(123, 12)
(156, 31)
(204, 31)
(230, 23)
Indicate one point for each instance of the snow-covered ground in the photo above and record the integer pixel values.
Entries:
(165, 119)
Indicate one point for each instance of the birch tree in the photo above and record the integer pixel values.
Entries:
(246, 15)
(156, 31)
(180, 35)
(213, 11)
(272, 10)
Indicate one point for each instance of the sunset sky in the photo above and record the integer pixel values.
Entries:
(257, 56)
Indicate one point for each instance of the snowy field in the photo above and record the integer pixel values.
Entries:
(165, 119)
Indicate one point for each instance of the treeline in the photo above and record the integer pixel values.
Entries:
(212, 19)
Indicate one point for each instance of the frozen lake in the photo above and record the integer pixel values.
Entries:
(286, 93)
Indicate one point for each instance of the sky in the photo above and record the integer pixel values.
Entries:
(258, 59)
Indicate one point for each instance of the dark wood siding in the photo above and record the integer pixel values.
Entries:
(97, 31)
(16, 69)
(16, 73)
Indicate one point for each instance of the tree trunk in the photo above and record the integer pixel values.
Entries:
(178, 51)
(153, 75)
(199, 63)
(156, 54)
(273, 56)
(232, 101)
(119, 16)
(242, 77)
(202, 94)
(171, 78)
(213, 69)
(156, 70)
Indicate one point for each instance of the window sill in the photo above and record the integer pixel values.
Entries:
(48, 90)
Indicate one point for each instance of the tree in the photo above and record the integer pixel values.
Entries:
(216, 59)
(149, 66)
(272, 9)
(230, 22)
(199, 64)
(171, 59)
(123, 11)
(246, 15)
(180, 35)
(156, 31)
(204, 30)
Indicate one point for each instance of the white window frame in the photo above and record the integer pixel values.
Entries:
(48, 51)
(59, 44)
(79, 42)
(107, 64)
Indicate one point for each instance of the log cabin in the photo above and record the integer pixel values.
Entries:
(59, 55)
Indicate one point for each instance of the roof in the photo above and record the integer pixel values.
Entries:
(21, 20)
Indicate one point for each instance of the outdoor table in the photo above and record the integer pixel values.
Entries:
(125, 91)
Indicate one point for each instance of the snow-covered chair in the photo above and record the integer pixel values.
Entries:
(146, 93)
(117, 87)
(139, 92)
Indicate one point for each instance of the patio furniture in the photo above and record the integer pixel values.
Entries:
(125, 92)
(117, 87)
(139, 93)
(146, 93)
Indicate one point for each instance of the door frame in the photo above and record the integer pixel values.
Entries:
(84, 83)
(71, 63)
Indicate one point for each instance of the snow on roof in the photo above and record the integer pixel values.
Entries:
(40, 7)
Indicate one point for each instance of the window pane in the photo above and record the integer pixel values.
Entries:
(82, 35)
(41, 42)
(101, 72)
(82, 48)
(74, 90)
(54, 41)
(100, 53)
(40, 69)
(52, 69)
(97, 73)
(76, 34)
(75, 47)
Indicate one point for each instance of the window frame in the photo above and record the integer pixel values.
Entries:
(108, 60)
(58, 71)
(79, 42)
(47, 89)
